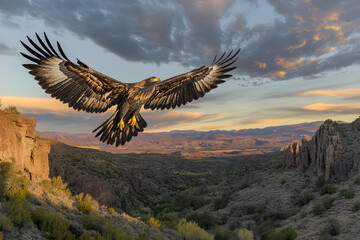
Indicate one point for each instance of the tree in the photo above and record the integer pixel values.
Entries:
(12, 109)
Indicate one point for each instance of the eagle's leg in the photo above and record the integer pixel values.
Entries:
(123, 107)
(132, 121)
(121, 124)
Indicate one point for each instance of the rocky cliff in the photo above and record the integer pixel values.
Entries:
(334, 150)
(19, 144)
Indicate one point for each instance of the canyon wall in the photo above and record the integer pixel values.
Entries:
(19, 144)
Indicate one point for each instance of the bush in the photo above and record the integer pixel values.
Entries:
(85, 203)
(222, 202)
(5, 224)
(321, 207)
(12, 109)
(356, 206)
(328, 189)
(56, 183)
(6, 169)
(111, 210)
(19, 213)
(93, 222)
(205, 219)
(152, 222)
(253, 208)
(306, 197)
(332, 227)
(320, 181)
(318, 209)
(287, 234)
(245, 234)
(347, 193)
(1, 235)
(357, 180)
(57, 227)
(17, 189)
(244, 185)
(222, 233)
(112, 232)
(191, 230)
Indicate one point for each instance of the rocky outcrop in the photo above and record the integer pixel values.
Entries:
(333, 151)
(19, 144)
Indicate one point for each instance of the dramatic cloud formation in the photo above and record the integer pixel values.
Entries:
(325, 107)
(332, 93)
(52, 110)
(307, 38)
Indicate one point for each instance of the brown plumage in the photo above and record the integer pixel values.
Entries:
(83, 88)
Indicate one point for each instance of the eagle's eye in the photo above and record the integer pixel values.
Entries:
(156, 79)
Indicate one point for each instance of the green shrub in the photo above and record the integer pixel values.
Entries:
(57, 227)
(253, 208)
(88, 236)
(12, 109)
(244, 185)
(222, 233)
(245, 234)
(85, 203)
(6, 170)
(17, 189)
(287, 234)
(5, 224)
(323, 205)
(112, 232)
(56, 183)
(356, 206)
(19, 212)
(222, 202)
(191, 230)
(143, 236)
(111, 210)
(318, 208)
(332, 227)
(328, 201)
(320, 182)
(347, 193)
(306, 197)
(152, 222)
(93, 222)
(1, 235)
(357, 180)
(205, 219)
(328, 189)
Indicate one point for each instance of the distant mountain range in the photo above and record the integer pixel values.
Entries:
(199, 144)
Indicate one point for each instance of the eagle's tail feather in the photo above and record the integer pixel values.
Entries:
(110, 133)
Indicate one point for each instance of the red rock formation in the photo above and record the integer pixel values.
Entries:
(19, 144)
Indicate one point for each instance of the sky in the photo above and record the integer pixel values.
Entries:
(299, 60)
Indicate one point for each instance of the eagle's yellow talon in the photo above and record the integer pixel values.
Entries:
(132, 121)
(121, 124)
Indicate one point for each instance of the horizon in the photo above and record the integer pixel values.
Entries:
(299, 62)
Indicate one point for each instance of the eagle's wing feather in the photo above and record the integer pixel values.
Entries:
(179, 90)
(76, 84)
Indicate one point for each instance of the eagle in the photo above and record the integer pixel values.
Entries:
(83, 88)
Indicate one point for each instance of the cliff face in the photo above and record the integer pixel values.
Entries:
(19, 144)
(334, 150)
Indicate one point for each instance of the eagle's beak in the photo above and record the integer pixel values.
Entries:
(156, 79)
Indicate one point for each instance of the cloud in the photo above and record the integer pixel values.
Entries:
(264, 120)
(5, 49)
(331, 93)
(339, 108)
(306, 39)
(54, 115)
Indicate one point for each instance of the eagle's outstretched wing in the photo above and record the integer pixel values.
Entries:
(76, 84)
(192, 85)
